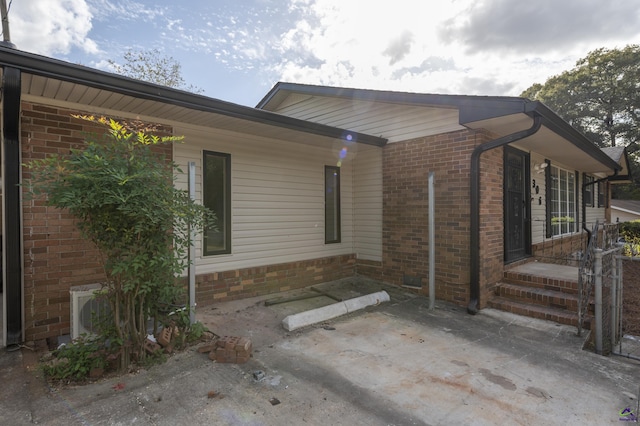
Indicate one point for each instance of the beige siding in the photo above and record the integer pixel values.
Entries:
(392, 121)
(538, 211)
(623, 216)
(368, 203)
(278, 199)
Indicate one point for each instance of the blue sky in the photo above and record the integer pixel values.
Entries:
(236, 50)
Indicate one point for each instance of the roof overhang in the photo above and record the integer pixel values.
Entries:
(500, 115)
(620, 155)
(66, 83)
(556, 141)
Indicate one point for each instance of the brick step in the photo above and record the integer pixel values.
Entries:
(560, 316)
(538, 296)
(547, 283)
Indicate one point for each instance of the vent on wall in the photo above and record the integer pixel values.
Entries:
(85, 309)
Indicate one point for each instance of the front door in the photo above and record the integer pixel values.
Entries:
(517, 208)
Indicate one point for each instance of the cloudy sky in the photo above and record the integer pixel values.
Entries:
(236, 50)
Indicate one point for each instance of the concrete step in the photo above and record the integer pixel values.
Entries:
(560, 316)
(538, 296)
(548, 283)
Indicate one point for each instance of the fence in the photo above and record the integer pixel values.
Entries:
(601, 281)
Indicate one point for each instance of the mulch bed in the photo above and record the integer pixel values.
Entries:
(631, 297)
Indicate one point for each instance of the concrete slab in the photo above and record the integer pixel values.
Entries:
(394, 364)
(549, 270)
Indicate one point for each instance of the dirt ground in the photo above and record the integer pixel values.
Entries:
(631, 298)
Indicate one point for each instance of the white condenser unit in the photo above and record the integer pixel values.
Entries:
(85, 308)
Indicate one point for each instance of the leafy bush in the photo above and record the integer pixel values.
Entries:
(122, 193)
(630, 232)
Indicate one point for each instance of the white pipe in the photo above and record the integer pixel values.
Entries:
(192, 248)
(334, 310)
(432, 243)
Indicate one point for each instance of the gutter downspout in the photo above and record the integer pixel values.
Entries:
(12, 195)
(474, 245)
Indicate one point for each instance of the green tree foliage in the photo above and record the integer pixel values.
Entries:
(122, 193)
(600, 97)
(154, 67)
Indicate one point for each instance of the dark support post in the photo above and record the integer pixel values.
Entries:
(12, 220)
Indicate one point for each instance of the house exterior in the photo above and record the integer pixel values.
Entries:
(625, 210)
(513, 181)
(313, 185)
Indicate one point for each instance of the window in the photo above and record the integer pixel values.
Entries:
(216, 196)
(602, 199)
(563, 201)
(331, 204)
(588, 191)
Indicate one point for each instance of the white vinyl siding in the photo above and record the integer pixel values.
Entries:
(392, 121)
(368, 203)
(277, 198)
(538, 202)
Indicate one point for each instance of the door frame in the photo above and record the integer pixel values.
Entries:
(526, 198)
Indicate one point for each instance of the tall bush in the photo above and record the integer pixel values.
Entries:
(123, 195)
(630, 232)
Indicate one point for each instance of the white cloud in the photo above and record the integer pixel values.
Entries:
(126, 10)
(483, 47)
(51, 26)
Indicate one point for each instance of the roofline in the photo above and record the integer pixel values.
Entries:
(625, 210)
(472, 108)
(385, 95)
(556, 124)
(65, 71)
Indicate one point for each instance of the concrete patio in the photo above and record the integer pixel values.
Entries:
(397, 363)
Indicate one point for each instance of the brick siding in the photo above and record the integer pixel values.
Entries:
(405, 209)
(56, 257)
(261, 280)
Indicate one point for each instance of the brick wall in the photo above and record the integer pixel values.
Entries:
(491, 222)
(56, 257)
(369, 268)
(564, 250)
(249, 282)
(405, 206)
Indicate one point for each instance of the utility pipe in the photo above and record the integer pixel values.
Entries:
(432, 243)
(474, 244)
(192, 248)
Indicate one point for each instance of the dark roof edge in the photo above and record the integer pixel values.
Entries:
(472, 108)
(557, 125)
(383, 95)
(54, 68)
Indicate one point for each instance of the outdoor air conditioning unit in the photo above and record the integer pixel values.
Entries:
(85, 308)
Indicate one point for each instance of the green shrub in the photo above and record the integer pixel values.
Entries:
(630, 231)
(76, 360)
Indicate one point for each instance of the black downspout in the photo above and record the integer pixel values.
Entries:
(11, 93)
(474, 245)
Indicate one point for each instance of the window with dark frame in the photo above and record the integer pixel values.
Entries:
(216, 196)
(588, 191)
(331, 204)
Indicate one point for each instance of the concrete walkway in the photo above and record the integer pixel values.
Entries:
(393, 364)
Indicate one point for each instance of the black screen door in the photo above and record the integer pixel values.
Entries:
(517, 208)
